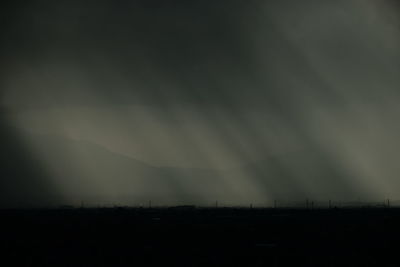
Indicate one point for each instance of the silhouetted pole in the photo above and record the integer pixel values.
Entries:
(388, 203)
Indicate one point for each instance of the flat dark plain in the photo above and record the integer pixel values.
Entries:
(193, 236)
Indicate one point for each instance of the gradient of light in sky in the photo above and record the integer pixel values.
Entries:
(192, 101)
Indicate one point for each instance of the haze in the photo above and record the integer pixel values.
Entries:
(192, 102)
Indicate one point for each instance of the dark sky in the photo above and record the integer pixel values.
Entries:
(192, 101)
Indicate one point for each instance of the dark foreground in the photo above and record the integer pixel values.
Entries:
(187, 236)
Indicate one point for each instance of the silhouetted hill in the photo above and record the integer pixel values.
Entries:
(90, 172)
(24, 180)
(84, 171)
